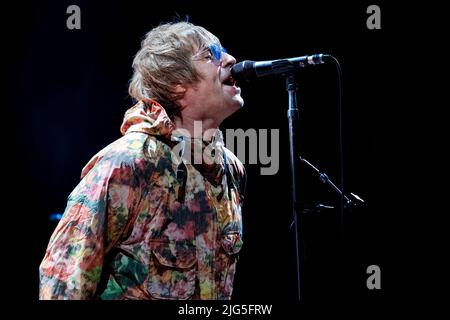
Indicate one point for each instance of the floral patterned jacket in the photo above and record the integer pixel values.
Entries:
(140, 225)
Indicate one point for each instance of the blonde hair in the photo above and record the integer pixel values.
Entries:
(165, 60)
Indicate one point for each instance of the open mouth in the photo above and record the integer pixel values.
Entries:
(229, 81)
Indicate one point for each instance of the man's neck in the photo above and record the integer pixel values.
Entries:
(198, 128)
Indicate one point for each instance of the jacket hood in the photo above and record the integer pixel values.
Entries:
(147, 116)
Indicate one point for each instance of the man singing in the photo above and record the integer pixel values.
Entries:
(157, 213)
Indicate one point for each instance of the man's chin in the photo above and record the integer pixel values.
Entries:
(237, 105)
(239, 102)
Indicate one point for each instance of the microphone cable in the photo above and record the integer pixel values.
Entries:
(341, 139)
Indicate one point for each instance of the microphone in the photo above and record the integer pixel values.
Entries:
(248, 69)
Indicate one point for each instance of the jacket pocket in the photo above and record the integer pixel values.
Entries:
(232, 243)
(172, 270)
(226, 264)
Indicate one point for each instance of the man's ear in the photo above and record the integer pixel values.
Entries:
(179, 89)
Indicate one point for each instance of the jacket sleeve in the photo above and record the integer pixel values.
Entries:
(95, 217)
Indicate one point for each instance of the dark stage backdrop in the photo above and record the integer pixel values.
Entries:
(70, 96)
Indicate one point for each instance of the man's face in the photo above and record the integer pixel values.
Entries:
(216, 94)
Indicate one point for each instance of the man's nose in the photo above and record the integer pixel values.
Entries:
(228, 60)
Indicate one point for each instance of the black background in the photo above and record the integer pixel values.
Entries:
(70, 94)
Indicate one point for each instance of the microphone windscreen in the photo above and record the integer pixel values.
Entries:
(237, 69)
(243, 70)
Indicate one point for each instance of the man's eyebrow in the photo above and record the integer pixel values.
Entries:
(203, 48)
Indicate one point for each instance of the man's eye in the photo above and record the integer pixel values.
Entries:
(209, 54)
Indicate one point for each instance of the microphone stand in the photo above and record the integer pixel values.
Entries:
(293, 115)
